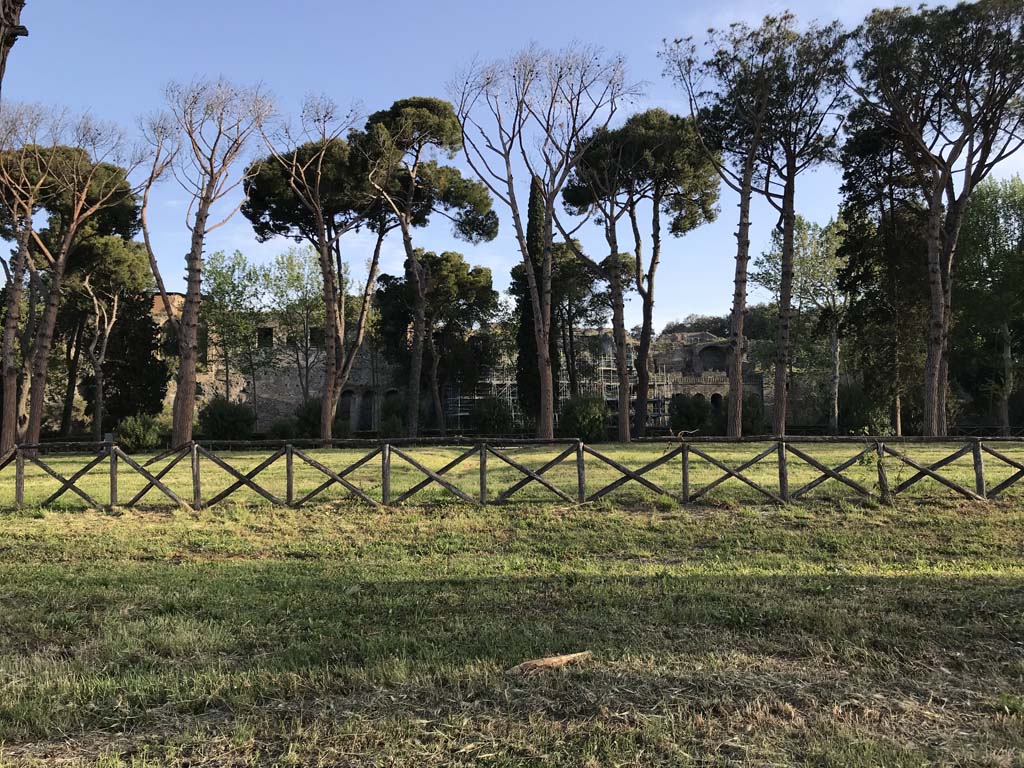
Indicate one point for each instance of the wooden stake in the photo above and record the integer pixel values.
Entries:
(113, 474)
(979, 470)
(385, 474)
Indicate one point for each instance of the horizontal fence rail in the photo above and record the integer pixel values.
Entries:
(892, 470)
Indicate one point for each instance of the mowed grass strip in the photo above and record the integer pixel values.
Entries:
(828, 634)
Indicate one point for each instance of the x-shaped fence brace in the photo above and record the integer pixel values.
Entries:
(529, 475)
(1000, 487)
(827, 473)
(736, 472)
(929, 470)
(246, 479)
(332, 477)
(627, 474)
(432, 476)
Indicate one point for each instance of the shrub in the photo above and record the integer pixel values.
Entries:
(754, 420)
(687, 413)
(307, 421)
(583, 417)
(491, 416)
(392, 423)
(283, 429)
(223, 419)
(138, 433)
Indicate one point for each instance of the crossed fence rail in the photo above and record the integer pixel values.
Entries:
(871, 450)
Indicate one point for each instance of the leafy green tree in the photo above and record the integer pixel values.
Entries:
(536, 109)
(667, 167)
(314, 187)
(235, 312)
(414, 187)
(948, 82)
(817, 291)
(459, 299)
(296, 302)
(990, 325)
(728, 89)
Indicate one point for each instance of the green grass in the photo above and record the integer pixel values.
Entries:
(830, 634)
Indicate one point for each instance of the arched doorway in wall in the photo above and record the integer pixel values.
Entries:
(344, 413)
(717, 401)
(364, 421)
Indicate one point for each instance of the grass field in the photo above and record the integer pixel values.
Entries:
(826, 634)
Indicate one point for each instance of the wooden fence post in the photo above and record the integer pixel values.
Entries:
(979, 470)
(113, 473)
(385, 474)
(581, 474)
(289, 476)
(686, 474)
(19, 477)
(197, 488)
(483, 473)
(883, 479)
(783, 471)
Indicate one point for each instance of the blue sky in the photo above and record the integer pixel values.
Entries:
(114, 58)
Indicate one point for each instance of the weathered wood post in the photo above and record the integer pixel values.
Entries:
(581, 473)
(686, 473)
(385, 474)
(483, 473)
(197, 489)
(783, 471)
(289, 475)
(112, 453)
(979, 469)
(19, 477)
(883, 479)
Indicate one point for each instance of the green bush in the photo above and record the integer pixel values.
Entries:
(583, 417)
(223, 419)
(138, 433)
(687, 413)
(307, 421)
(491, 416)
(392, 421)
(755, 422)
(283, 429)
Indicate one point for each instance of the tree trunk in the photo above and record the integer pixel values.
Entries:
(98, 403)
(933, 401)
(183, 411)
(737, 342)
(417, 278)
(833, 400)
(331, 342)
(785, 304)
(619, 336)
(41, 356)
(1008, 383)
(11, 369)
(897, 415)
(645, 287)
(435, 390)
(72, 357)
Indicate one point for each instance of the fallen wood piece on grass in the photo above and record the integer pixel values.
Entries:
(550, 662)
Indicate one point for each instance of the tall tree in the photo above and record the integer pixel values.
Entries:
(459, 300)
(728, 91)
(88, 192)
(414, 186)
(203, 136)
(805, 111)
(992, 257)
(314, 187)
(949, 83)
(534, 110)
(668, 170)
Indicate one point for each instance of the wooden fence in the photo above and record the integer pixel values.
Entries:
(780, 451)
